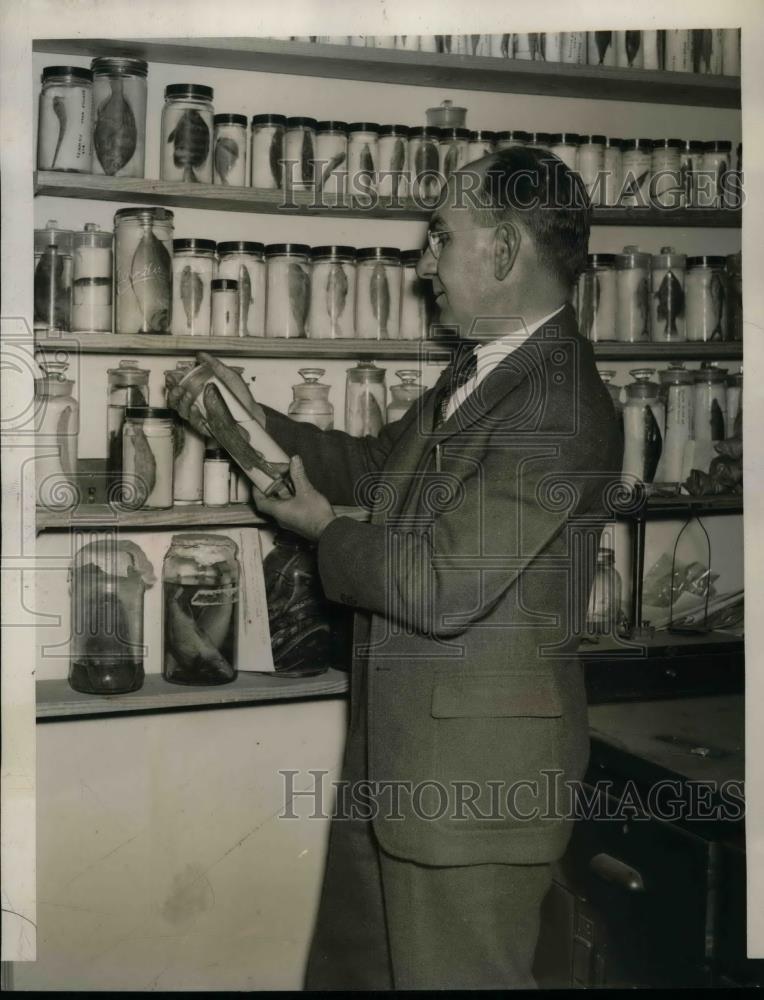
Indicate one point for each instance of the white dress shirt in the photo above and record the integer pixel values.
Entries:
(489, 356)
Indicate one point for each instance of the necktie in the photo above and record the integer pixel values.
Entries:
(460, 371)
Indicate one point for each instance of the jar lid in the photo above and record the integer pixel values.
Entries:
(311, 376)
(642, 390)
(454, 133)
(517, 135)
(710, 375)
(668, 258)
(224, 284)
(705, 260)
(676, 375)
(299, 121)
(188, 90)
(128, 369)
(717, 146)
(269, 119)
(199, 539)
(598, 140)
(409, 376)
(378, 253)
(540, 137)
(52, 236)
(410, 258)
(402, 130)
(154, 214)
(120, 64)
(149, 413)
(611, 142)
(333, 251)
(215, 455)
(279, 249)
(92, 236)
(482, 135)
(565, 138)
(366, 370)
(631, 257)
(734, 261)
(692, 145)
(605, 555)
(601, 259)
(229, 119)
(364, 127)
(77, 72)
(424, 132)
(668, 143)
(330, 126)
(240, 246)
(645, 144)
(194, 244)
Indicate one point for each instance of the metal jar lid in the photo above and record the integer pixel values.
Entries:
(400, 130)
(717, 146)
(668, 143)
(378, 253)
(224, 285)
(454, 133)
(706, 261)
(149, 413)
(241, 246)
(600, 259)
(331, 126)
(78, 73)
(593, 140)
(643, 145)
(364, 127)
(300, 121)
(516, 135)
(482, 135)
(122, 65)
(230, 119)
(668, 259)
(202, 246)
(425, 132)
(539, 138)
(718, 375)
(333, 253)
(268, 120)
(565, 138)
(611, 142)
(198, 90)
(410, 258)
(692, 146)
(285, 249)
(152, 214)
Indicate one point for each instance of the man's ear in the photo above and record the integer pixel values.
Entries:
(506, 247)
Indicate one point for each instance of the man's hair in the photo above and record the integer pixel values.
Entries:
(534, 188)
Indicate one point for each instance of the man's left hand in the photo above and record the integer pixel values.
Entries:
(307, 513)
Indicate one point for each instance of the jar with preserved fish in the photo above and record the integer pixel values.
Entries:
(415, 318)
(332, 293)
(534, 45)
(605, 614)
(565, 146)
(267, 152)
(573, 47)
(597, 298)
(393, 145)
(601, 48)
(612, 171)
(187, 127)
(677, 396)
(667, 302)
(365, 399)
(56, 425)
(200, 582)
(378, 293)
(189, 448)
(690, 162)
(734, 401)
(707, 50)
(637, 166)
(644, 419)
(628, 49)
(225, 307)
(119, 112)
(193, 269)
(147, 458)
(405, 394)
(453, 145)
(709, 408)
(665, 169)
(143, 270)
(299, 153)
(127, 386)
(92, 284)
(652, 49)
(482, 142)
(65, 129)
(424, 161)
(229, 157)
(288, 294)
(363, 157)
(331, 164)
(590, 164)
(705, 294)
(734, 286)
(713, 182)
(678, 50)
(53, 278)
(632, 312)
(244, 261)
(311, 400)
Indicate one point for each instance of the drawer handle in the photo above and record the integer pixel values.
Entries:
(613, 870)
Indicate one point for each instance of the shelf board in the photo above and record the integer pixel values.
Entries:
(423, 69)
(180, 194)
(683, 505)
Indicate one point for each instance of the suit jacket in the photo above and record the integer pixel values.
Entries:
(476, 565)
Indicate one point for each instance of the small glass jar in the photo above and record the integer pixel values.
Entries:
(405, 394)
(600, 48)
(92, 284)
(734, 401)
(482, 142)
(53, 269)
(424, 161)
(65, 132)
(311, 400)
(200, 583)
(644, 419)
(731, 51)
(143, 270)
(119, 111)
(735, 296)
(188, 462)
(712, 184)
(549, 46)
(590, 164)
(705, 295)
(628, 50)
(678, 50)
(187, 126)
(632, 313)
(378, 293)
(605, 613)
(447, 115)
(612, 171)
(597, 298)
(415, 318)
(244, 261)
(453, 146)
(667, 300)
(709, 406)
(652, 48)
(690, 162)
(666, 177)
(331, 164)
(363, 157)
(147, 458)
(512, 137)
(565, 146)
(393, 145)
(193, 268)
(225, 307)
(299, 153)
(332, 293)
(267, 152)
(288, 295)
(365, 399)
(229, 157)
(637, 167)
(677, 397)
(127, 386)
(216, 475)
(56, 425)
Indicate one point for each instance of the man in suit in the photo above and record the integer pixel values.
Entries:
(467, 583)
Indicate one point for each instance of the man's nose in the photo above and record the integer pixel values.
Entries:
(427, 265)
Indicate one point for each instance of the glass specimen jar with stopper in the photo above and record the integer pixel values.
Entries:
(311, 400)
(53, 278)
(404, 394)
(365, 399)
(56, 425)
(644, 420)
(604, 616)
(127, 385)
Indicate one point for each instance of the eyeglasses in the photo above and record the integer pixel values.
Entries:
(436, 242)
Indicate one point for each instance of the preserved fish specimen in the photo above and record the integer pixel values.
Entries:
(187, 123)
(193, 265)
(143, 280)
(230, 155)
(119, 100)
(243, 261)
(64, 137)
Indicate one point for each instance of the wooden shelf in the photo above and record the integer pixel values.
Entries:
(423, 69)
(180, 194)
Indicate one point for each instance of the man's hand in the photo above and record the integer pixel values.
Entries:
(307, 513)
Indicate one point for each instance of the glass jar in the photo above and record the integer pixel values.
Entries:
(405, 394)
(229, 158)
(299, 153)
(637, 167)
(393, 146)
(225, 307)
(512, 137)
(244, 261)
(267, 152)
(597, 298)
(705, 295)
(126, 385)
(712, 184)
(311, 400)
(605, 613)
(690, 162)
(147, 458)
(709, 406)
(600, 48)
(531, 45)
(612, 171)
(564, 145)
(53, 278)
(573, 47)
(734, 402)
(677, 397)
(415, 319)
(731, 51)
(735, 296)
(332, 293)
(678, 50)
(628, 49)
(447, 115)
(288, 295)
(363, 157)
(590, 163)
(64, 130)
(188, 461)
(707, 50)
(632, 312)
(119, 108)
(665, 169)
(453, 146)
(365, 399)
(187, 124)
(143, 270)
(424, 161)
(56, 426)
(652, 47)
(549, 46)
(108, 580)
(644, 418)
(92, 284)
(378, 293)
(482, 143)
(667, 301)
(193, 269)
(216, 475)
(200, 583)
(331, 163)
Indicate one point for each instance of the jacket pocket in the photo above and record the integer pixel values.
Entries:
(495, 696)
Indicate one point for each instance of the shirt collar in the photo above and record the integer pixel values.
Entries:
(492, 353)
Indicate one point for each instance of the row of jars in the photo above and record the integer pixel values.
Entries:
(706, 50)
(663, 419)
(666, 297)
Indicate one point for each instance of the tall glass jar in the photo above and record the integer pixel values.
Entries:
(393, 145)
(512, 137)
(119, 110)
(225, 307)
(92, 285)
(712, 183)
(56, 426)
(229, 157)
(127, 385)
(531, 45)
(652, 47)
(605, 610)
(667, 301)
(244, 261)
(405, 394)
(709, 407)
(378, 293)
(705, 294)
(628, 49)
(731, 51)
(415, 319)
(482, 142)
(299, 153)
(332, 293)
(690, 162)
(677, 396)
(188, 460)
(108, 580)
(363, 157)
(597, 298)
(193, 269)
(453, 146)
(573, 47)
(365, 399)
(644, 418)
(311, 400)
(143, 270)
(331, 163)
(707, 50)
(288, 295)
(632, 313)
(424, 161)
(147, 458)
(187, 126)
(612, 171)
(637, 167)
(678, 50)
(565, 146)
(53, 278)
(600, 48)
(200, 583)
(64, 133)
(267, 152)
(590, 164)
(735, 296)
(665, 182)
